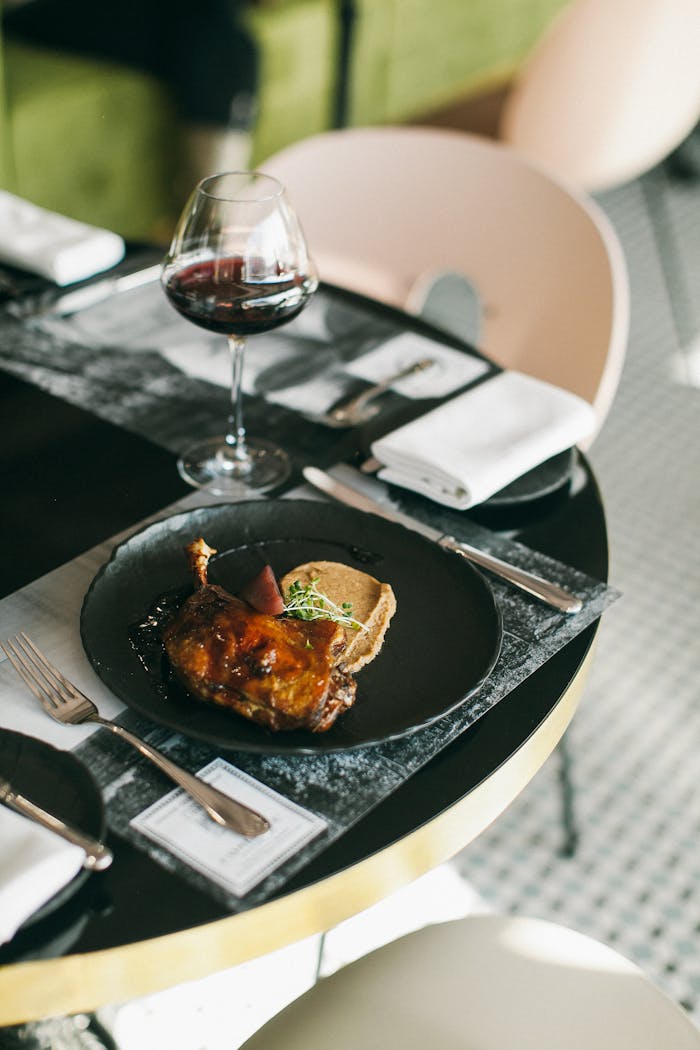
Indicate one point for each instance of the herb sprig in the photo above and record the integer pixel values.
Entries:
(306, 602)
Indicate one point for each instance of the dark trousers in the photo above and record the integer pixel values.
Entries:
(199, 47)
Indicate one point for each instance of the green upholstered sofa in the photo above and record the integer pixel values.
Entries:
(103, 143)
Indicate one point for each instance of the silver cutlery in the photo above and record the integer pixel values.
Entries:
(98, 291)
(361, 408)
(67, 705)
(97, 855)
(87, 295)
(534, 585)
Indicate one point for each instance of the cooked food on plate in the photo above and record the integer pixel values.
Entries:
(372, 603)
(289, 665)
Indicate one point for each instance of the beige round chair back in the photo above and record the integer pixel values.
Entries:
(612, 87)
(384, 207)
(485, 983)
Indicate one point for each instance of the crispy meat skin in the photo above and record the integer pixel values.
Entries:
(279, 673)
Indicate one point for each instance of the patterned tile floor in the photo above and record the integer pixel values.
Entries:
(634, 881)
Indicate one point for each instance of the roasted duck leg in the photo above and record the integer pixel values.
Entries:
(280, 673)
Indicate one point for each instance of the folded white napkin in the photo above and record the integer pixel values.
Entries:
(477, 443)
(62, 249)
(34, 865)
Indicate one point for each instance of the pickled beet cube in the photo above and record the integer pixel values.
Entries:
(263, 594)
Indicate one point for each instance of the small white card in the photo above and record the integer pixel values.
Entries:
(450, 371)
(232, 861)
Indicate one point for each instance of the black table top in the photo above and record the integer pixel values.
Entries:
(71, 480)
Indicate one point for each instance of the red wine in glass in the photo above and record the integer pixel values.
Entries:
(217, 294)
(238, 264)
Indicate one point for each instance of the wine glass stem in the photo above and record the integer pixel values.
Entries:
(235, 435)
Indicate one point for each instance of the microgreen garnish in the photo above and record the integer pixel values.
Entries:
(306, 602)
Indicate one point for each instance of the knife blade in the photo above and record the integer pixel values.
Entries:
(97, 855)
(98, 291)
(534, 585)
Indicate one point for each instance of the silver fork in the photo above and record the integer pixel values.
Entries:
(361, 408)
(67, 705)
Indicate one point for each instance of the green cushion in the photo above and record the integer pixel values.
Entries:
(116, 132)
(298, 44)
(91, 140)
(412, 57)
(6, 169)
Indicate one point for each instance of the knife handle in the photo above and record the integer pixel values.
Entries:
(546, 591)
(97, 855)
(222, 809)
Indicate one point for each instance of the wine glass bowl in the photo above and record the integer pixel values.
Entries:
(238, 264)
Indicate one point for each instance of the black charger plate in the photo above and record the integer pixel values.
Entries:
(60, 783)
(541, 481)
(442, 643)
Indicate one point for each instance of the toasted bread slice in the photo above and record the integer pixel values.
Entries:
(373, 604)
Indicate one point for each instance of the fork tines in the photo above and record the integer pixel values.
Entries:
(40, 676)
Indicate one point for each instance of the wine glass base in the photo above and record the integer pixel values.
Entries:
(208, 465)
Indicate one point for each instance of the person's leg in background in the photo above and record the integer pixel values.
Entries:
(201, 49)
(215, 75)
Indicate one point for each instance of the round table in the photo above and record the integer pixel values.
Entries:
(136, 929)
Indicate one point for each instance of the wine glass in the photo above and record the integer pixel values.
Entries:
(238, 264)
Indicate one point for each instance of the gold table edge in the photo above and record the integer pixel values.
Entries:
(80, 983)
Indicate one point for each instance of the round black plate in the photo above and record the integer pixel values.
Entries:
(443, 640)
(60, 783)
(541, 481)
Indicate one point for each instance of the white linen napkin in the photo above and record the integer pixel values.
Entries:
(62, 249)
(34, 865)
(477, 443)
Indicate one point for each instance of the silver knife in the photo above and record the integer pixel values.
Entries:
(97, 855)
(536, 586)
(98, 291)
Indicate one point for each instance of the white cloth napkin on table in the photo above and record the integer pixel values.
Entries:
(55, 246)
(474, 445)
(34, 865)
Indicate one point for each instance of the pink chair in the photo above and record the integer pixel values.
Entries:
(489, 982)
(609, 91)
(385, 209)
